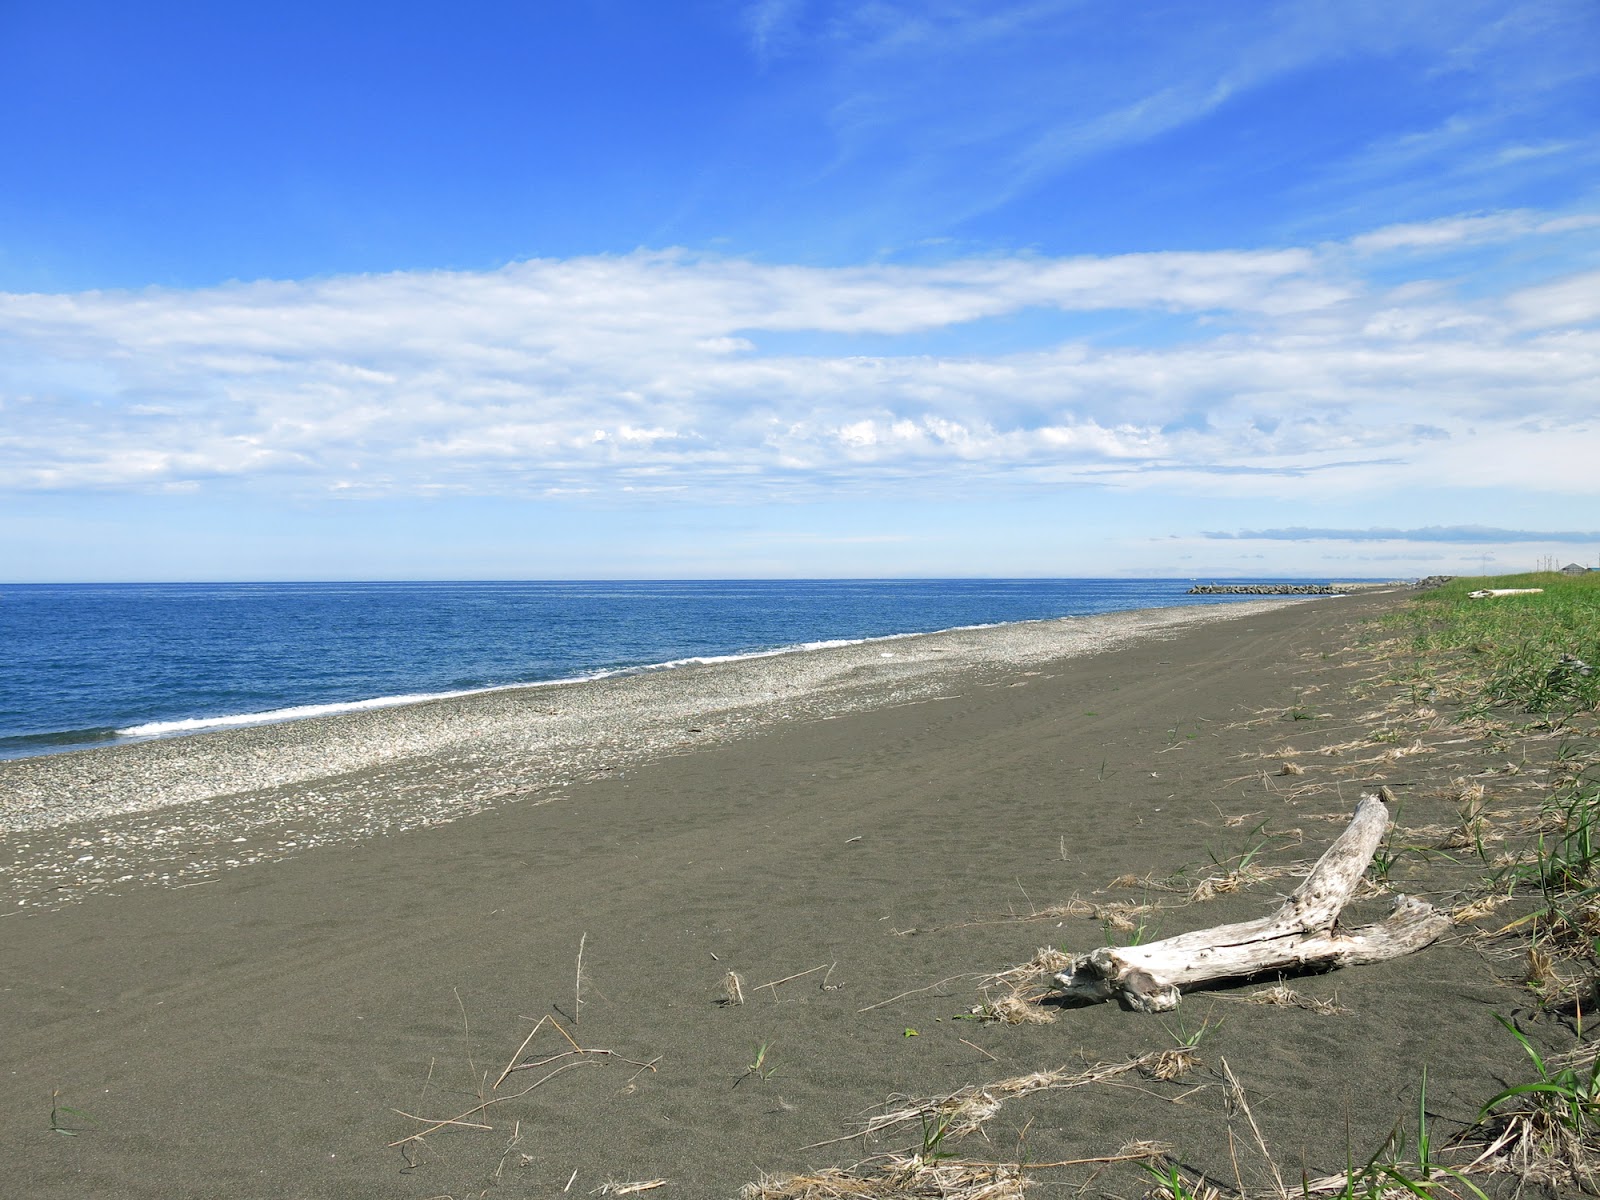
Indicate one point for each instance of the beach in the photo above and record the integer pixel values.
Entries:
(255, 962)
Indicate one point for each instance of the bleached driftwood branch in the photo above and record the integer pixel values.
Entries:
(1303, 933)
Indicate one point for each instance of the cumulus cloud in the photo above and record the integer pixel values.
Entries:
(1260, 370)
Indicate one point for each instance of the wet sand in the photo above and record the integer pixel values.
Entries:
(894, 822)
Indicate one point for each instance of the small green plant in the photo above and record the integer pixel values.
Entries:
(1424, 1142)
(60, 1114)
(1173, 1186)
(1566, 870)
(1473, 824)
(1392, 1172)
(1243, 859)
(1571, 862)
(1121, 921)
(1383, 861)
(934, 1130)
(1388, 855)
(1187, 1040)
(1569, 1097)
(758, 1066)
(1184, 1057)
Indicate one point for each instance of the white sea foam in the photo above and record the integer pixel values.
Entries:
(300, 712)
(296, 713)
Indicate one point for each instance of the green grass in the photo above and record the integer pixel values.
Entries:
(1565, 869)
(68, 1122)
(1491, 658)
(1567, 1096)
(934, 1131)
(759, 1066)
(1548, 1126)
(1507, 650)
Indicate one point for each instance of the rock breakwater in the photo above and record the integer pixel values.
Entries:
(1265, 589)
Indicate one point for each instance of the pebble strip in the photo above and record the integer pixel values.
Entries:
(178, 811)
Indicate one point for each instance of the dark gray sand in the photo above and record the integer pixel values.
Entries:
(883, 823)
(229, 798)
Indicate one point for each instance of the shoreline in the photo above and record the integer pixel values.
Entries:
(50, 743)
(172, 810)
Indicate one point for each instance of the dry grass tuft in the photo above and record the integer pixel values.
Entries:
(968, 1109)
(1396, 753)
(1167, 1065)
(1019, 1005)
(1480, 907)
(1118, 913)
(899, 1178)
(1013, 1009)
(1213, 886)
(1133, 881)
(1540, 971)
(1119, 919)
(1537, 1145)
(1046, 960)
(732, 988)
(1283, 994)
(915, 1177)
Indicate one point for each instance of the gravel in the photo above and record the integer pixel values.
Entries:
(176, 812)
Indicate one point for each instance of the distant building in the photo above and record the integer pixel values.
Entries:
(1575, 569)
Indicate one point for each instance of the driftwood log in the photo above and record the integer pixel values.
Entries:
(1302, 934)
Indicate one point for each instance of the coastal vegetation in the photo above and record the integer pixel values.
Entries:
(1537, 653)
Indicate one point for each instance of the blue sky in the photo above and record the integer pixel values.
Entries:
(793, 287)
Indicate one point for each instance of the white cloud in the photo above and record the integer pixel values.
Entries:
(1574, 300)
(770, 24)
(1460, 231)
(1038, 88)
(1290, 374)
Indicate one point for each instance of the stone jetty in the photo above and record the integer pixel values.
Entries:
(1265, 589)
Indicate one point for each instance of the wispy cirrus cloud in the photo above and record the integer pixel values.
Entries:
(1036, 90)
(1453, 232)
(1466, 535)
(1295, 371)
(769, 24)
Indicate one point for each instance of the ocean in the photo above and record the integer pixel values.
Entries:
(93, 664)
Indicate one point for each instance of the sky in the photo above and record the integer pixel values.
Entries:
(798, 288)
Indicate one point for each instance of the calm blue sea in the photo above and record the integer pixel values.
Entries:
(88, 664)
